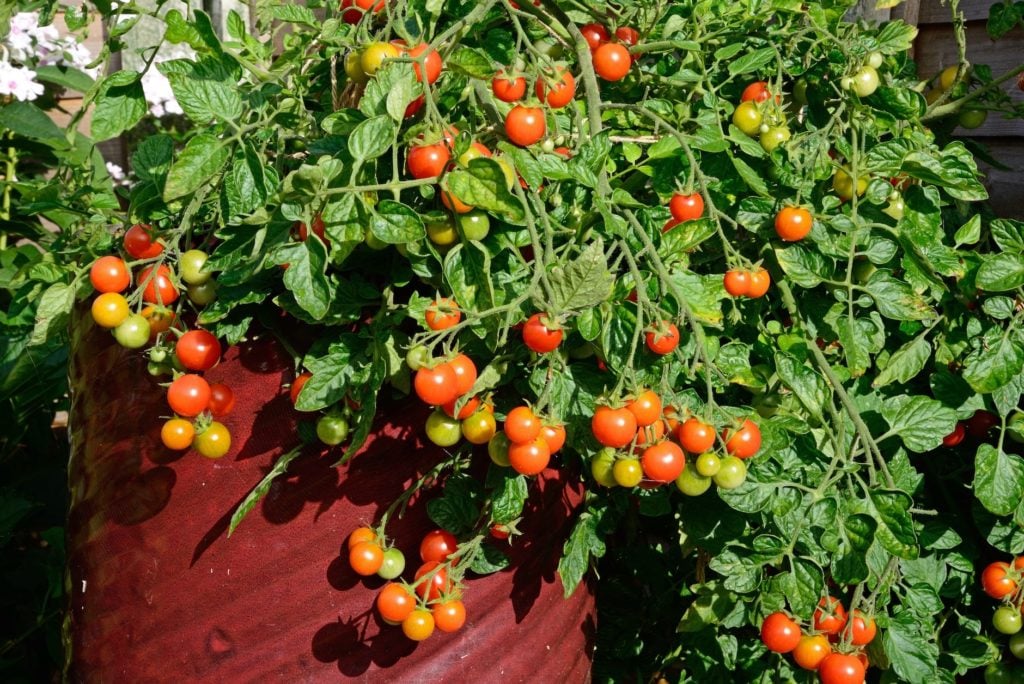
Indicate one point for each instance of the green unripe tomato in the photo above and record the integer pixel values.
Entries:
(550, 47)
(158, 354)
(190, 265)
(773, 137)
(332, 429)
(875, 60)
(442, 233)
(157, 369)
(443, 430)
(708, 464)
(475, 225)
(863, 269)
(133, 333)
(748, 118)
(842, 183)
(548, 145)
(800, 91)
(998, 673)
(417, 357)
(865, 81)
(972, 118)
(895, 208)
(393, 565)
(628, 472)
(602, 467)
(354, 67)
(375, 54)
(1007, 619)
(203, 294)
(732, 474)
(497, 449)
(692, 483)
(373, 242)
(1017, 645)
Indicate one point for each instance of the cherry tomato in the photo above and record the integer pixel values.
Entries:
(554, 436)
(708, 464)
(297, 385)
(692, 483)
(419, 625)
(508, 89)
(736, 282)
(613, 427)
(354, 67)
(158, 288)
(538, 336)
(319, 228)
(842, 183)
(840, 668)
(864, 629)
(417, 357)
(522, 425)
(395, 603)
(981, 423)
(139, 242)
(865, 81)
(190, 265)
(748, 118)
(594, 34)
(559, 94)
(375, 54)
(793, 223)
(627, 35)
(468, 409)
(442, 314)
(201, 295)
(198, 350)
(830, 616)
(501, 532)
(361, 534)
(443, 430)
(996, 580)
(465, 373)
(780, 633)
(497, 449)
(529, 458)
(133, 332)
(214, 441)
(110, 310)
(353, 10)
(188, 395)
(664, 339)
(160, 318)
(686, 207)
(811, 650)
(110, 274)
(438, 545)
(612, 61)
(756, 91)
(525, 125)
(663, 462)
(436, 386)
(452, 203)
(366, 558)
(1017, 645)
(432, 589)
(744, 442)
(731, 473)
(773, 137)
(627, 472)
(475, 225)
(427, 161)
(602, 467)
(449, 616)
(760, 281)
(332, 429)
(432, 63)
(956, 436)
(177, 434)
(646, 408)
(222, 400)
(696, 436)
(479, 427)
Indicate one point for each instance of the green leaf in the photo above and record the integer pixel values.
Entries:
(371, 138)
(750, 177)
(1008, 234)
(955, 170)
(1001, 272)
(395, 223)
(912, 652)
(970, 232)
(905, 363)
(752, 61)
(895, 532)
(29, 121)
(489, 560)
(205, 90)
(802, 585)
(584, 282)
(994, 362)
(333, 373)
(893, 38)
(467, 269)
(295, 14)
(66, 77)
(120, 104)
(203, 157)
(53, 312)
(390, 91)
(509, 497)
(896, 299)
(458, 509)
(470, 62)
(809, 387)
(998, 480)
(920, 422)
(261, 489)
(484, 185)
(1003, 17)
(805, 266)
(902, 102)
(152, 158)
(586, 541)
(306, 279)
(713, 603)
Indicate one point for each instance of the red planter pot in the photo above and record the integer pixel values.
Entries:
(159, 593)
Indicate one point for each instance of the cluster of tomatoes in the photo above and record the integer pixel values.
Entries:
(184, 353)
(1002, 580)
(432, 600)
(834, 645)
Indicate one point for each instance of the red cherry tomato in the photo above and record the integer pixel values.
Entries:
(780, 633)
(756, 91)
(664, 339)
(427, 161)
(188, 395)
(198, 350)
(554, 435)
(627, 35)
(646, 407)
(395, 603)
(222, 400)
(613, 427)
(744, 442)
(956, 436)
(561, 93)
(139, 242)
(594, 34)
(736, 282)
(353, 10)
(686, 207)
(539, 337)
(529, 458)
(525, 125)
(981, 423)
(864, 629)
(432, 589)
(432, 63)
(522, 425)
(696, 436)
(158, 288)
(996, 580)
(449, 616)
(508, 89)
(760, 281)
(297, 384)
(612, 61)
(840, 668)
(110, 274)
(829, 616)
(465, 373)
(436, 386)
(792, 224)
(663, 462)
(438, 545)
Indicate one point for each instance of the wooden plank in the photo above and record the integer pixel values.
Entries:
(935, 12)
(936, 49)
(1006, 187)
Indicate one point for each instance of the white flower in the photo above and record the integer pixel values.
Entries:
(19, 39)
(19, 82)
(159, 94)
(115, 171)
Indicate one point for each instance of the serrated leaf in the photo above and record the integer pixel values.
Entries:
(912, 653)
(920, 422)
(905, 363)
(484, 185)
(998, 480)
(203, 157)
(371, 138)
(584, 282)
(585, 542)
(895, 532)
(508, 498)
